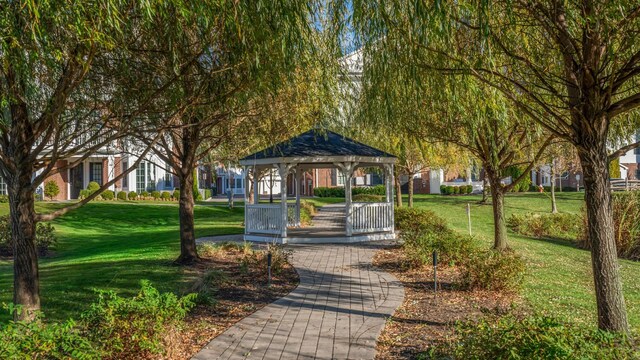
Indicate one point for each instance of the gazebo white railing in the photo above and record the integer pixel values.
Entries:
(372, 217)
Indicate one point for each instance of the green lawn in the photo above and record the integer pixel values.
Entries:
(114, 246)
(559, 279)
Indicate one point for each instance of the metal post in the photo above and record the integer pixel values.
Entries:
(269, 256)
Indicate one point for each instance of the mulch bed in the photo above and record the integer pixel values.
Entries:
(243, 292)
(425, 319)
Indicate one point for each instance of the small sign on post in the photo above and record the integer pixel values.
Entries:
(269, 256)
(469, 217)
(435, 273)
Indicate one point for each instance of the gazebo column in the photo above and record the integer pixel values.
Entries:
(283, 171)
(388, 179)
(254, 180)
(347, 169)
(297, 188)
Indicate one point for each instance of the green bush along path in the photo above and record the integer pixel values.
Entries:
(112, 246)
(559, 279)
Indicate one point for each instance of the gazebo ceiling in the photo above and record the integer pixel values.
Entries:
(318, 146)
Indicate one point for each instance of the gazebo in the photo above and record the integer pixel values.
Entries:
(317, 149)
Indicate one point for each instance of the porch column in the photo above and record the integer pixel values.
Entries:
(347, 169)
(297, 187)
(256, 193)
(283, 171)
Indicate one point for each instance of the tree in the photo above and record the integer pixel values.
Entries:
(51, 189)
(235, 64)
(572, 67)
(59, 99)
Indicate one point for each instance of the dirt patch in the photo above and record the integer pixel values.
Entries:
(243, 291)
(427, 317)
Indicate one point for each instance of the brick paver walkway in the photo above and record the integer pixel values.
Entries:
(337, 311)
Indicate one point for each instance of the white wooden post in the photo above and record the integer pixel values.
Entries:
(388, 176)
(283, 171)
(256, 193)
(297, 188)
(347, 169)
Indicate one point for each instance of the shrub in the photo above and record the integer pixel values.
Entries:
(207, 194)
(424, 232)
(132, 195)
(93, 187)
(176, 194)
(144, 195)
(51, 189)
(307, 211)
(449, 190)
(369, 190)
(533, 337)
(329, 191)
(368, 198)
(559, 226)
(84, 194)
(626, 222)
(122, 195)
(279, 258)
(45, 237)
(41, 340)
(4, 199)
(443, 189)
(469, 189)
(494, 270)
(155, 195)
(456, 190)
(135, 327)
(515, 172)
(165, 195)
(108, 195)
(207, 285)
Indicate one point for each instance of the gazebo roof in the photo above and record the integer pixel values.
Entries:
(318, 145)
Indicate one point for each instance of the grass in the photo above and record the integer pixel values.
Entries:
(113, 246)
(559, 278)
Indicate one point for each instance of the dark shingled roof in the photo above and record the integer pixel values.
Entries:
(314, 143)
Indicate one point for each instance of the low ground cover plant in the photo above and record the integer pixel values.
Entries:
(113, 328)
(531, 337)
(557, 226)
(423, 232)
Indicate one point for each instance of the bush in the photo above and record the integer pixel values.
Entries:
(559, 226)
(424, 232)
(155, 195)
(515, 172)
(144, 195)
(307, 211)
(443, 189)
(41, 340)
(84, 194)
(122, 195)
(626, 222)
(4, 199)
(45, 237)
(534, 337)
(456, 190)
(135, 327)
(494, 270)
(328, 192)
(207, 194)
(93, 187)
(108, 195)
(469, 189)
(132, 195)
(51, 189)
(165, 195)
(449, 190)
(369, 190)
(368, 198)
(206, 286)
(176, 194)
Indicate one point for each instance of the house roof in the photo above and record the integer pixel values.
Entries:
(318, 144)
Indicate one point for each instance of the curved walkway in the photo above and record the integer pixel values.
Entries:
(336, 312)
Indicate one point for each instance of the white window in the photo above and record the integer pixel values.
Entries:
(145, 177)
(340, 178)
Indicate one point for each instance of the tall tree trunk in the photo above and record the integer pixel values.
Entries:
(554, 207)
(26, 281)
(410, 190)
(499, 221)
(396, 180)
(188, 252)
(612, 314)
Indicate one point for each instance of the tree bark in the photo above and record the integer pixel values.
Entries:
(612, 314)
(396, 179)
(554, 207)
(410, 190)
(188, 251)
(499, 222)
(26, 281)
